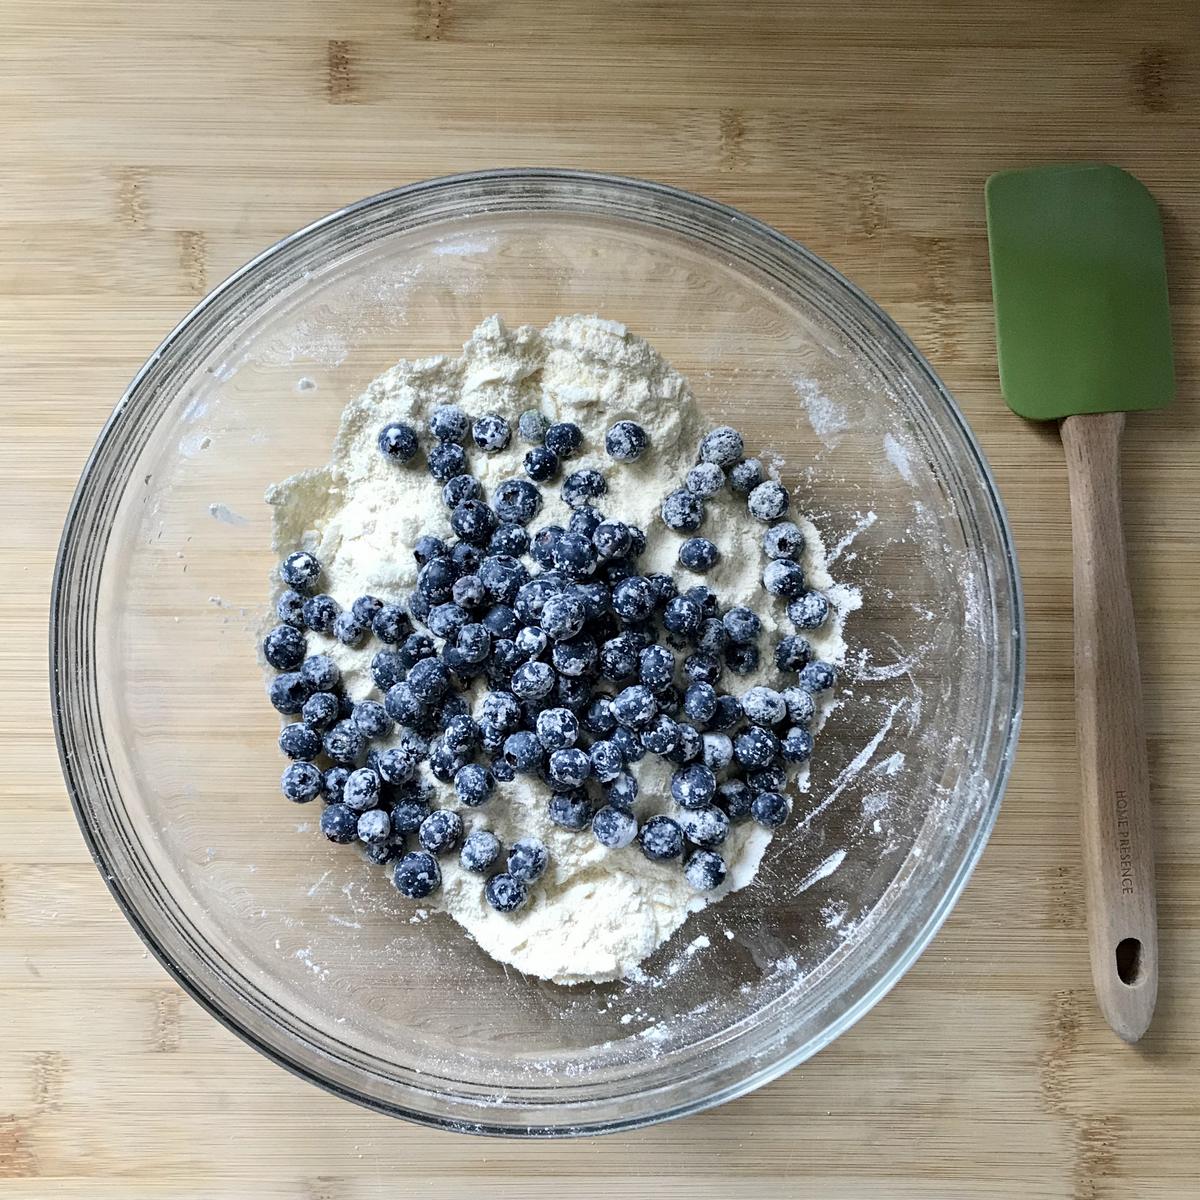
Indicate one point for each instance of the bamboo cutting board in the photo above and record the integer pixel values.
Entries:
(151, 148)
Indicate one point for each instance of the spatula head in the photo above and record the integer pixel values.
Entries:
(1080, 287)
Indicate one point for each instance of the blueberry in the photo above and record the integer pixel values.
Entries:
(283, 647)
(480, 850)
(339, 824)
(502, 577)
(656, 666)
(523, 752)
(770, 809)
(343, 743)
(694, 786)
(701, 668)
(333, 784)
(769, 501)
(599, 718)
(575, 555)
(374, 827)
(427, 547)
(664, 588)
(742, 660)
(544, 541)
(380, 853)
(797, 745)
(570, 809)
(626, 441)
(300, 570)
(365, 609)
(585, 521)
(399, 764)
(391, 624)
(564, 439)
(764, 706)
(531, 641)
(707, 826)
(541, 465)
(614, 827)
(742, 625)
(501, 621)
(728, 714)
(638, 541)
(596, 597)
(532, 426)
(705, 597)
(622, 791)
(745, 476)
(289, 692)
(491, 433)
(736, 796)
(808, 610)
(371, 719)
(698, 554)
(349, 631)
(289, 609)
(618, 569)
(527, 859)
(618, 659)
(468, 592)
(428, 679)
(783, 541)
(320, 711)
(661, 736)
(557, 728)
(509, 538)
(320, 612)
(459, 732)
(441, 831)
(722, 446)
(301, 782)
(517, 501)
(782, 577)
(768, 779)
(801, 707)
(661, 839)
(700, 702)
(459, 488)
(505, 659)
(682, 616)
(581, 486)
(416, 875)
(435, 580)
(403, 705)
(500, 709)
(398, 442)
(629, 744)
(474, 522)
(445, 460)
(716, 751)
(444, 760)
(688, 748)
(818, 677)
(465, 559)
(607, 760)
(502, 772)
(362, 790)
(635, 706)
(448, 423)
(569, 768)
(633, 599)
(447, 621)
(705, 870)
(756, 747)
(793, 653)
(682, 512)
(704, 480)
(533, 680)
(408, 813)
(473, 785)
(505, 893)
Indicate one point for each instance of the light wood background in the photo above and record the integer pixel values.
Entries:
(150, 146)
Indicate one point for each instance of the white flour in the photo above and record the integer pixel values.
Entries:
(596, 913)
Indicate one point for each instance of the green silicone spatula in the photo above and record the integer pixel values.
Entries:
(1083, 335)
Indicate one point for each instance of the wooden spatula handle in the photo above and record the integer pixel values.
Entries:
(1118, 852)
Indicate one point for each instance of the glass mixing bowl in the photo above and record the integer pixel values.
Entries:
(304, 949)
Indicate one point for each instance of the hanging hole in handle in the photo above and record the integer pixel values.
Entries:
(1129, 960)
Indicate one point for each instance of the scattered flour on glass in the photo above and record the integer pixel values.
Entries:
(827, 418)
(596, 913)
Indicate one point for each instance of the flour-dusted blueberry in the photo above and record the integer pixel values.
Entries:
(694, 786)
(505, 893)
(541, 464)
(403, 705)
(441, 831)
(445, 460)
(626, 441)
(661, 736)
(502, 577)
(474, 522)
(468, 592)
(717, 750)
(575, 556)
(564, 438)
(541, 548)
(365, 609)
(700, 702)
(705, 480)
(459, 488)
(320, 612)
(808, 611)
(581, 486)
(362, 790)
(768, 779)
(570, 809)
(818, 677)
(501, 709)
(698, 554)
(596, 597)
(756, 747)
(289, 692)
(532, 426)
(444, 760)
(516, 501)
(769, 501)
(782, 577)
(764, 705)
(611, 539)
(523, 752)
(585, 520)
(465, 559)
(629, 743)
(736, 796)
(637, 538)
(448, 423)
(710, 604)
(557, 728)
(656, 666)
(418, 605)
(569, 768)
(669, 699)
(531, 641)
(289, 609)
(428, 679)
(417, 875)
(480, 851)
(722, 446)
(459, 731)
(661, 839)
(301, 782)
(770, 809)
(707, 826)
(614, 827)
(427, 547)
(473, 785)
(701, 668)
(374, 827)
(599, 718)
(408, 813)
(398, 442)
(792, 653)
(689, 747)
(349, 630)
(797, 745)
(742, 625)
(622, 791)
(391, 624)
(619, 658)
(607, 760)
(399, 764)
(574, 691)
(320, 711)
(728, 714)
(742, 660)
(533, 680)
(321, 673)
(682, 616)
(343, 743)
(491, 433)
(446, 620)
(664, 587)
(527, 859)
(635, 706)
(705, 870)
(435, 580)
(339, 824)
(682, 511)
(509, 538)
(783, 541)
(333, 784)
(283, 647)
(746, 475)
(501, 621)
(801, 707)
(379, 853)
(633, 599)
(300, 570)
(617, 569)
(502, 771)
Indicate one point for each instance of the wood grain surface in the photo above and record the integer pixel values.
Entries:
(150, 148)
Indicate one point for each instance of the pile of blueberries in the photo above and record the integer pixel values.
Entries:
(577, 652)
